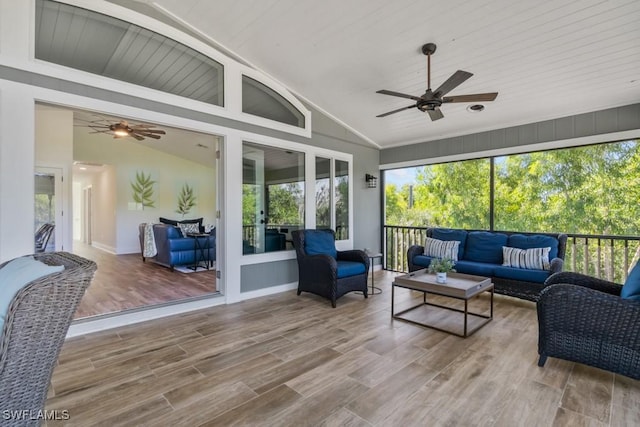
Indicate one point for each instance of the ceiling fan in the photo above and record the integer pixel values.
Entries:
(431, 100)
(122, 129)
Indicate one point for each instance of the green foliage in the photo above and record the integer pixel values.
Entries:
(286, 204)
(448, 195)
(441, 265)
(142, 190)
(249, 194)
(186, 200)
(587, 190)
(323, 203)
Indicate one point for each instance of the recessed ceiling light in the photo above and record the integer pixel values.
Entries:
(475, 108)
(82, 168)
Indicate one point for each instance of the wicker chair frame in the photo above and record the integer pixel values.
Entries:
(34, 330)
(583, 319)
(318, 273)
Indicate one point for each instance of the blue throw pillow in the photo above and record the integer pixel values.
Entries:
(521, 241)
(631, 287)
(448, 234)
(15, 275)
(484, 246)
(317, 242)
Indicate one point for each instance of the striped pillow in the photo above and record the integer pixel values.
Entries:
(441, 248)
(532, 259)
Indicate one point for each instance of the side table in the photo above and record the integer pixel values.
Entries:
(372, 256)
(200, 250)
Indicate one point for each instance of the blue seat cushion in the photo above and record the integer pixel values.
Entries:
(522, 241)
(475, 268)
(422, 260)
(17, 273)
(319, 242)
(448, 234)
(631, 287)
(484, 246)
(350, 268)
(536, 276)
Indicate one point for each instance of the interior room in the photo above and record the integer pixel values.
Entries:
(180, 167)
(285, 213)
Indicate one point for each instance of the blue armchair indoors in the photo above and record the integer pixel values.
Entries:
(325, 271)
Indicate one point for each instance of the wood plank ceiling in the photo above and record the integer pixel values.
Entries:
(547, 59)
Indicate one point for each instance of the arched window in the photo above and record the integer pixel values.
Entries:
(103, 45)
(260, 100)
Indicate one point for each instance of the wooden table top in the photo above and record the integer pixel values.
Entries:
(458, 285)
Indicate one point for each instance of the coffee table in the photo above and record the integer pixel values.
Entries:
(459, 286)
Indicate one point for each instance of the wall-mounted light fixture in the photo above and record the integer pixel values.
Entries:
(372, 181)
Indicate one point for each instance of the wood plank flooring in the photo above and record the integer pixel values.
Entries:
(288, 360)
(124, 282)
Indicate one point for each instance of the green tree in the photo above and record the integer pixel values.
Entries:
(286, 204)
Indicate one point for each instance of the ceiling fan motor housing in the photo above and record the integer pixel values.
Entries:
(428, 104)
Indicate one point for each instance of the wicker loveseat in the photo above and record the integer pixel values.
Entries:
(480, 253)
(588, 320)
(34, 329)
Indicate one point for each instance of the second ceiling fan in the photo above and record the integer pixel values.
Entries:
(431, 100)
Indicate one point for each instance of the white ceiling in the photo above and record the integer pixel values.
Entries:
(546, 58)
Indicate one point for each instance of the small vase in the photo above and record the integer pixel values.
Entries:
(441, 277)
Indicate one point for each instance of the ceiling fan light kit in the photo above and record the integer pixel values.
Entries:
(431, 100)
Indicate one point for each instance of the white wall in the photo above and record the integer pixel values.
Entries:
(127, 158)
(104, 221)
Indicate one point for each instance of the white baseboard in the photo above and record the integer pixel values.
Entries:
(82, 327)
(268, 291)
(103, 247)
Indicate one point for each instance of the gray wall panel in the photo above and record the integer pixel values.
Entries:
(265, 275)
(598, 122)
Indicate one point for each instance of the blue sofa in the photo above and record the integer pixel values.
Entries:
(480, 253)
(174, 249)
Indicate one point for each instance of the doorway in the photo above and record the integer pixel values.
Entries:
(105, 219)
(48, 226)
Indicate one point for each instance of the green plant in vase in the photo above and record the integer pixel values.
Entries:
(186, 200)
(441, 266)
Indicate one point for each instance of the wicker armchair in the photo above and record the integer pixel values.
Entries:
(583, 319)
(319, 273)
(34, 330)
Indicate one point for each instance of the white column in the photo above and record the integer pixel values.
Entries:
(15, 30)
(16, 170)
(232, 216)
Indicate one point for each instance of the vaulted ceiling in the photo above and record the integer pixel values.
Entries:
(546, 58)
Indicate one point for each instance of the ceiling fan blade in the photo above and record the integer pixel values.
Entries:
(401, 95)
(471, 98)
(452, 82)
(136, 136)
(435, 114)
(147, 135)
(396, 111)
(158, 131)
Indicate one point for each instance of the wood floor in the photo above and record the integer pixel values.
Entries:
(288, 360)
(124, 282)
